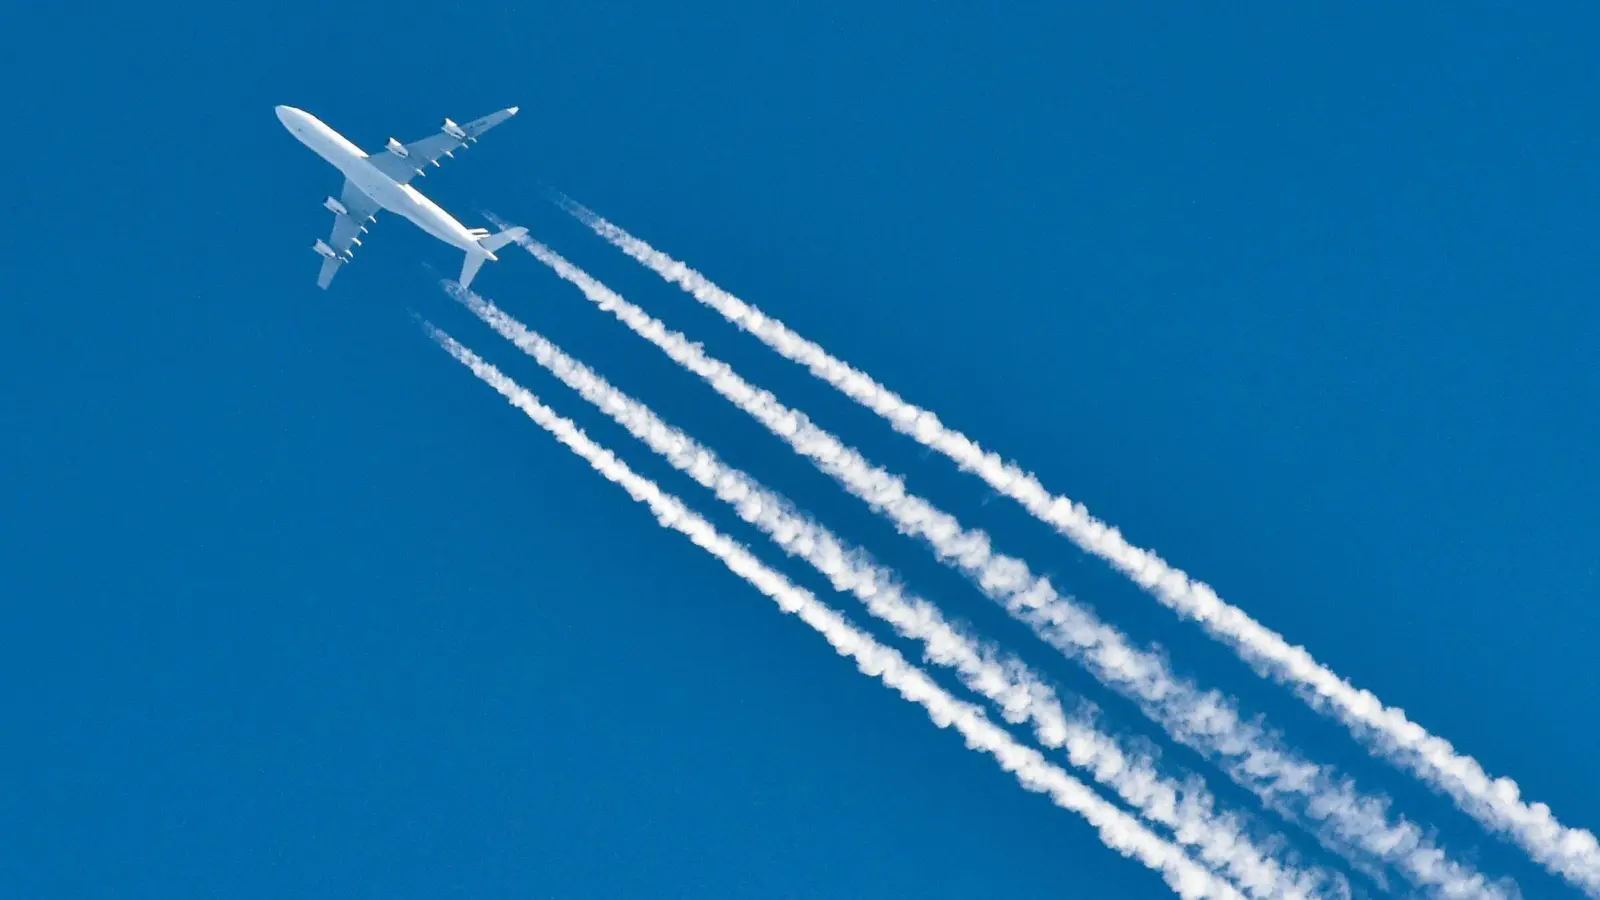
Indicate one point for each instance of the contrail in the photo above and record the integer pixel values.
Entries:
(1117, 829)
(1202, 720)
(1187, 810)
(1496, 803)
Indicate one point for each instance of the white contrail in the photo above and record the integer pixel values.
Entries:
(1117, 829)
(1203, 720)
(1187, 810)
(1495, 802)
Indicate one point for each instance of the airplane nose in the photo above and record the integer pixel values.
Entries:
(287, 115)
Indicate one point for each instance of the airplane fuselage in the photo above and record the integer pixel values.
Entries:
(400, 199)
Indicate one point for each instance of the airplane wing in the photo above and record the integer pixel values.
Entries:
(405, 162)
(348, 225)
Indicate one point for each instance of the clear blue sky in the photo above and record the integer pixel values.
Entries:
(292, 606)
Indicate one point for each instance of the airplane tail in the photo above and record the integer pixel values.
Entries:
(495, 241)
(490, 243)
(470, 267)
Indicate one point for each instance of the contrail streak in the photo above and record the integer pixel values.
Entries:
(1187, 810)
(1117, 829)
(1203, 720)
(1573, 853)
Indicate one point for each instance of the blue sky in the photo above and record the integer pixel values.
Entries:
(293, 606)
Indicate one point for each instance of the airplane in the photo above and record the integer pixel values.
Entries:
(382, 181)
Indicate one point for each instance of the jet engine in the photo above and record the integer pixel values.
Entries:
(322, 247)
(397, 148)
(453, 130)
(335, 207)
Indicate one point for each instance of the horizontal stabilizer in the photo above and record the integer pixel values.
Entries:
(470, 267)
(494, 242)
(490, 243)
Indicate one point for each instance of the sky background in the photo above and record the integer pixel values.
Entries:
(292, 606)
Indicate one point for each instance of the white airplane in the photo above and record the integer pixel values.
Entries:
(383, 182)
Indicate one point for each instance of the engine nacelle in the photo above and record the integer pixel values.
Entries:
(335, 207)
(322, 247)
(453, 130)
(397, 148)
